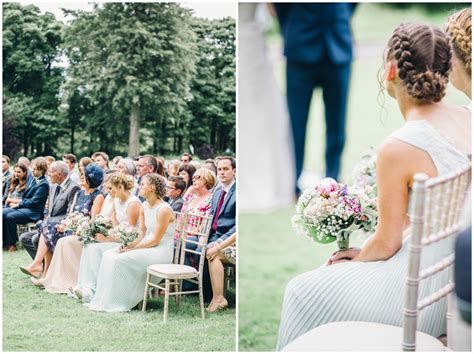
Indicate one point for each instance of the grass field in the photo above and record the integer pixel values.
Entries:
(270, 253)
(34, 320)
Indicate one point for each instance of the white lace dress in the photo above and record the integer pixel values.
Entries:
(372, 291)
(122, 276)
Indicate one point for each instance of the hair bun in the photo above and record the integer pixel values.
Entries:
(427, 86)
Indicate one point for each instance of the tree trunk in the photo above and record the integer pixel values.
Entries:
(134, 139)
(72, 139)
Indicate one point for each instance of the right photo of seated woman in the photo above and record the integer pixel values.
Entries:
(368, 284)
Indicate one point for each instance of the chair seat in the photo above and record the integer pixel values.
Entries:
(360, 336)
(173, 271)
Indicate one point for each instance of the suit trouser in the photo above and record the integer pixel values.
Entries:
(30, 241)
(12, 218)
(301, 80)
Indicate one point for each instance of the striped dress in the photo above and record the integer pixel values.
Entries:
(373, 291)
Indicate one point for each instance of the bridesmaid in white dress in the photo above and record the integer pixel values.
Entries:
(436, 140)
(266, 147)
(125, 208)
(122, 271)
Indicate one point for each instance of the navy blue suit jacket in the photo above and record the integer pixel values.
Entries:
(34, 199)
(312, 31)
(226, 218)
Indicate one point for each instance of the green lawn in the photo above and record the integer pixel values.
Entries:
(34, 320)
(270, 253)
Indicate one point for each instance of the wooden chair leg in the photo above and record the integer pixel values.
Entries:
(167, 298)
(145, 294)
(201, 299)
(176, 296)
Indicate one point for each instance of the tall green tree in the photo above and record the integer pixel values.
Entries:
(139, 57)
(213, 89)
(31, 78)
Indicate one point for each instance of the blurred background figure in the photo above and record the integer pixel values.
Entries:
(266, 152)
(318, 49)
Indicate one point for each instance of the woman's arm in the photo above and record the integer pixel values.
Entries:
(97, 204)
(397, 162)
(133, 212)
(164, 217)
(142, 231)
(114, 215)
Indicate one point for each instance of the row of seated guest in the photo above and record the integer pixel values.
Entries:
(30, 208)
(59, 176)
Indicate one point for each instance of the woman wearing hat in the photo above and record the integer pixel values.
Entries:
(87, 201)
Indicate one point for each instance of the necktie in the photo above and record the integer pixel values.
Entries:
(219, 207)
(56, 193)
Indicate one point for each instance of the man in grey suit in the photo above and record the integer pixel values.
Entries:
(174, 190)
(60, 199)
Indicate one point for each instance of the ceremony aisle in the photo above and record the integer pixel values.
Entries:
(35, 320)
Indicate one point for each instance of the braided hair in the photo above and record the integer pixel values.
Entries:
(159, 182)
(423, 56)
(120, 179)
(458, 29)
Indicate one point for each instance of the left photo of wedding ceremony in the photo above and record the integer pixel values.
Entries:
(119, 176)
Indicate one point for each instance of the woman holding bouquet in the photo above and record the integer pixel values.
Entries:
(126, 209)
(87, 201)
(122, 271)
(435, 139)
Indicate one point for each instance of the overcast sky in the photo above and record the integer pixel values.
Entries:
(208, 10)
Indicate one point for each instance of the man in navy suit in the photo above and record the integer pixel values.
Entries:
(31, 207)
(318, 48)
(223, 209)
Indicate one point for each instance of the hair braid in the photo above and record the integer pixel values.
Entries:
(458, 29)
(159, 183)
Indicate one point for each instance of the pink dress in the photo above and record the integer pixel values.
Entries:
(203, 209)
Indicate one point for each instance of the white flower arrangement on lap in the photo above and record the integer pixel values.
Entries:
(99, 224)
(125, 232)
(333, 211)
(73, 220)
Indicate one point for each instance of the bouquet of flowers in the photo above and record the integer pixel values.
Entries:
(126, 232)
(98, 224)
(363, 175)
(333, 211)
(72, 221)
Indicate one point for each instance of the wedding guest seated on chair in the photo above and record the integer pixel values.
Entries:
(174, 191)
(102, 160)
(186, 172)
(31, 207)
(17, 185)
(223, 211)
(61, 196)
(224, 252)
(71, 160)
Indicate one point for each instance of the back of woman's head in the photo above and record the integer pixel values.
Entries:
(120, 179)
(458, 29)
(423, 57)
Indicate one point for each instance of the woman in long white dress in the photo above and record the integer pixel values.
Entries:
(125, 209)
(436, 140)
(266, 150)
(122, 272)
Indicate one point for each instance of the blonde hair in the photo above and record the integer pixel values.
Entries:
(121, 179)
(175, 164)
(458, 29)
(207, 175)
